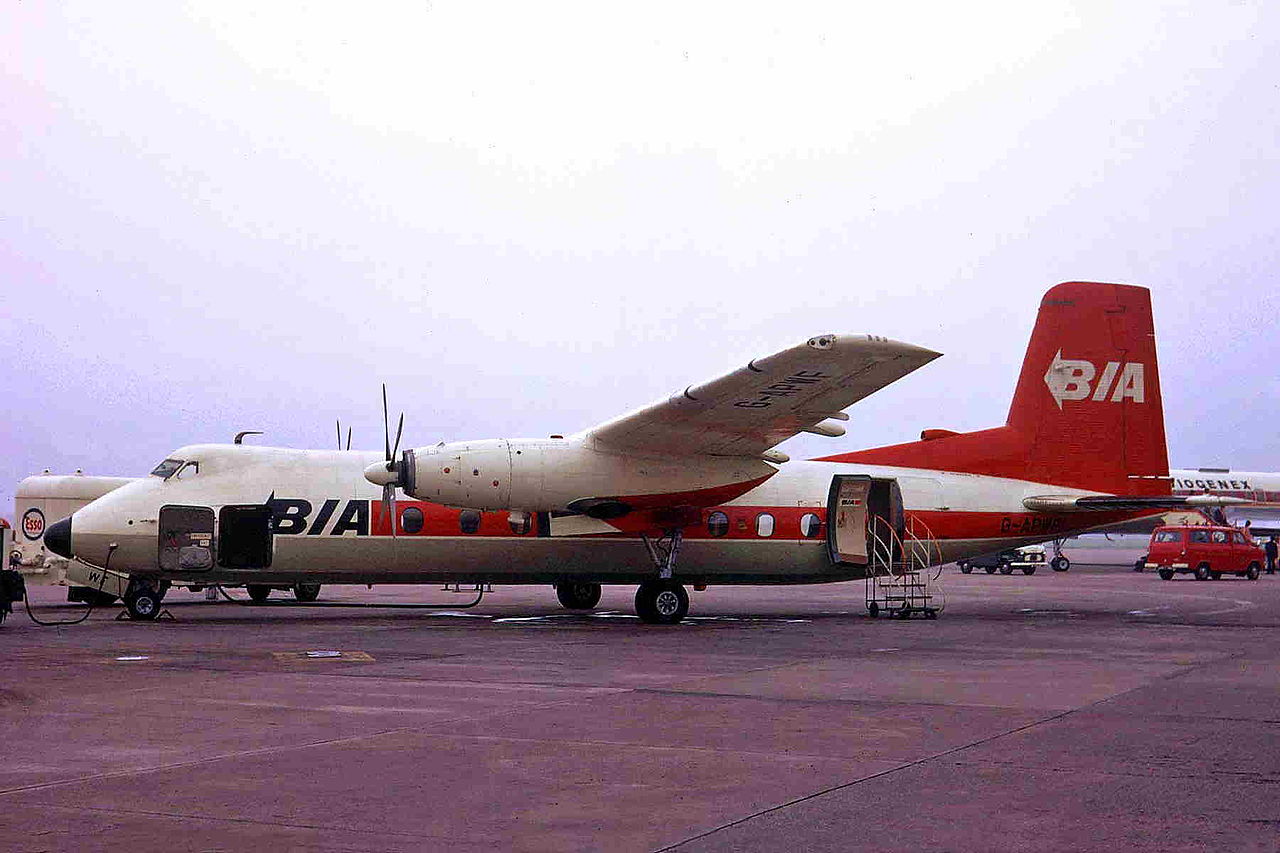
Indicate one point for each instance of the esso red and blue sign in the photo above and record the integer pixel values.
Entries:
(33, 524)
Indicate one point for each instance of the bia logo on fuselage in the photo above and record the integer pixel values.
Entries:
(1073, 379)
(292, 516)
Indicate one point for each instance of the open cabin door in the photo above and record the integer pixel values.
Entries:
(865, 521)
(244, 537)
(186, 538)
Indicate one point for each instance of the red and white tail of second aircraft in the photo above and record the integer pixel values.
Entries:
(685, 491)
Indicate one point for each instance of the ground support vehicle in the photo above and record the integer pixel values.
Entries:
(1028, 558)
(1204, 550)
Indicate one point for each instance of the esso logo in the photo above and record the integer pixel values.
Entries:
(33, 523)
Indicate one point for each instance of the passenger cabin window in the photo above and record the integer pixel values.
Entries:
(717, 524)
(1219, 537)
(764, 524)
(469, 520)
(411, 520)
(1199, 536)
(810, 524)
(1169, 536)
(168, 468)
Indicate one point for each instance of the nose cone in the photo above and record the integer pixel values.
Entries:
(377, 474)
(57, 538)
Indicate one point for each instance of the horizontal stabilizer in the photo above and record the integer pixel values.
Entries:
(1111, 503)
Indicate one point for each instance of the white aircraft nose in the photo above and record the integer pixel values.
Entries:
(378, 474)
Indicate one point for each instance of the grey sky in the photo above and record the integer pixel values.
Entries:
(527, 218)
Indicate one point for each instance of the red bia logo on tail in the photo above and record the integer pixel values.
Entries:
(1072, 379)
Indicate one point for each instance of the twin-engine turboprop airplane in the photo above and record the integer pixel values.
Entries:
(686, 491)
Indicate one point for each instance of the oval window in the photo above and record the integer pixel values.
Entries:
(810, 524)
(469, 520)
(764, 524)
(411, 520)
(717, 524)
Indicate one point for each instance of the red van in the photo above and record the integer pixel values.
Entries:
(1206, 551)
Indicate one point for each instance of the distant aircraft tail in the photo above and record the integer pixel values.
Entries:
(1086, 413)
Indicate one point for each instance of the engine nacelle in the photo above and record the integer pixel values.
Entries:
(542, 475)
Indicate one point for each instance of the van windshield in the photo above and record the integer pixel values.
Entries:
(1169, 536)
(168, 468)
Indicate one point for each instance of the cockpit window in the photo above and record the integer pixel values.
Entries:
(168, 468)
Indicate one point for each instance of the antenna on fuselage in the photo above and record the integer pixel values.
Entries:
(239, 439)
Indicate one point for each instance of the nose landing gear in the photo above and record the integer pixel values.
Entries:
(142, 600)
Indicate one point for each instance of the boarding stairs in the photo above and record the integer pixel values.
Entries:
(905, 571)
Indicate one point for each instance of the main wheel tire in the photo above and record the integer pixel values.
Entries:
(578, 596)
(991, 570)
(1215, 575)
(258, 593)
(1202, 572)
(661, 602)
(873, 610)
(1166, 574)
(142, 602)
(1059, 564)
(302, 592)
(965, 568)
(1141, 564)
(1253, 571)
(1006, 568)
(1028, 570)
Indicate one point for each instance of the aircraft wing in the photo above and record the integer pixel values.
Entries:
(770, 399)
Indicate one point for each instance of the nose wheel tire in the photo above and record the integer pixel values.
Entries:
(142, 602)
(1059, 564)
(661, 602)
(304, 591)
(578, 596)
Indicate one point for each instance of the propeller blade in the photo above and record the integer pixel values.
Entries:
(348, 438)
(389, 505)
(386, 424)
(399, 429)
(338, 424)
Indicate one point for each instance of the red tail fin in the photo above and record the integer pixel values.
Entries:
(1086, 413)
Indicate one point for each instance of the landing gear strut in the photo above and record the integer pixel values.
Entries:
(663, 601)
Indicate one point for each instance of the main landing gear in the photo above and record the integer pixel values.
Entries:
(578, 596)
(663, 601)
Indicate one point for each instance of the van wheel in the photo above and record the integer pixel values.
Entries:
(873, 610)
(1166, 574)
(258, 592)
(1253, 571)
(965, 568)
(1202, 572)
(1005, 568)
(1215, 575)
